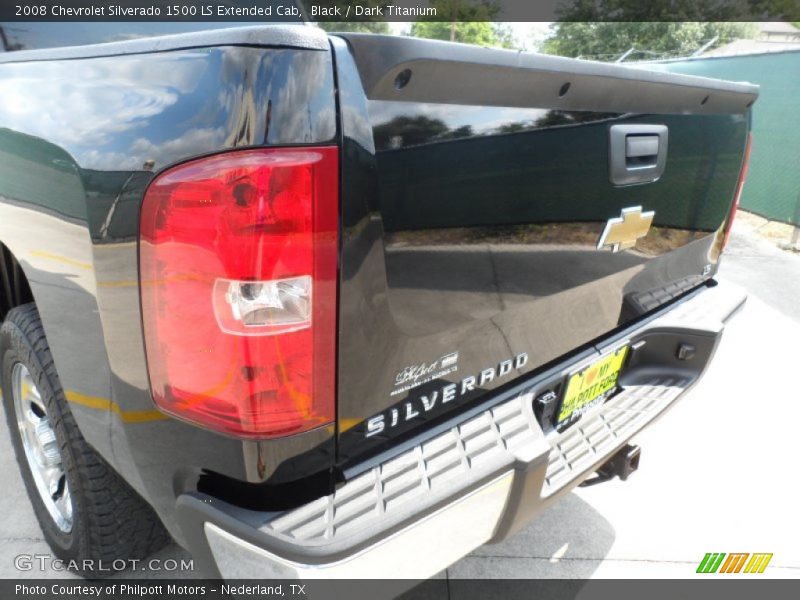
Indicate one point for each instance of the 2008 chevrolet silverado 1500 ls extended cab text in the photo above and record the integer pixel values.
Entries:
(346, 305)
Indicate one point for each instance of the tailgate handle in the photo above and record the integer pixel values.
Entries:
(641, 146)
(637, 153)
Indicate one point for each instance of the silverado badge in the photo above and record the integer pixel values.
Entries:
(621, 232)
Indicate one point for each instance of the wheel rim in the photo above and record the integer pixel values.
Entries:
(41, 448)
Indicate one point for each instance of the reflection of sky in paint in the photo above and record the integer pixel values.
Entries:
(482, 119)
(32, 35)
(116, 113)
(99, 105)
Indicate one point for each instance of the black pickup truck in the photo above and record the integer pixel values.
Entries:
(345, 305)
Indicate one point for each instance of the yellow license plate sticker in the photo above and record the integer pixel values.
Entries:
(589, 387)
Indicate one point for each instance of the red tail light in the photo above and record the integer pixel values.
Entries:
(238, 265)
(739, 188)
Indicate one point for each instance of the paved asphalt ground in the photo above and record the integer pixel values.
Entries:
(717, 474)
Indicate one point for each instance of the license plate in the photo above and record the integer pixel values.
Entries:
(589, 387)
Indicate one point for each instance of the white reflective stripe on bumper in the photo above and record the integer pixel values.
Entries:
(419, 551)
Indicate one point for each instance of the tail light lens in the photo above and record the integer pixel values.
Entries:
(739, 188)
(238, 266)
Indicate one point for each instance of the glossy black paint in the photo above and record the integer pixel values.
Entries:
(465, 229)
(32, 35)
(473, 229)
(79, 142)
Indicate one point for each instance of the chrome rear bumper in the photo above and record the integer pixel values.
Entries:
(478, 482)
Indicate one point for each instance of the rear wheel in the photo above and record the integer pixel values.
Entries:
(87, 513)
(40, 446)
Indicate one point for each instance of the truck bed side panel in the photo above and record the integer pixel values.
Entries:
(80, 139)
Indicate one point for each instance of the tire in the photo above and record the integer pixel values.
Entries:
(93, 518)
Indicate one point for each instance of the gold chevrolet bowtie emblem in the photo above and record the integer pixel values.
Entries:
(622, 232)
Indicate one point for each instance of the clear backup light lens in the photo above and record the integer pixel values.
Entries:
(238, 257)
(263, 307)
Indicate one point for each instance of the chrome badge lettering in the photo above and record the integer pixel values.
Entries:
(415, 406)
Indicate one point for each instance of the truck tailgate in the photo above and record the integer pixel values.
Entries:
(503, 210)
